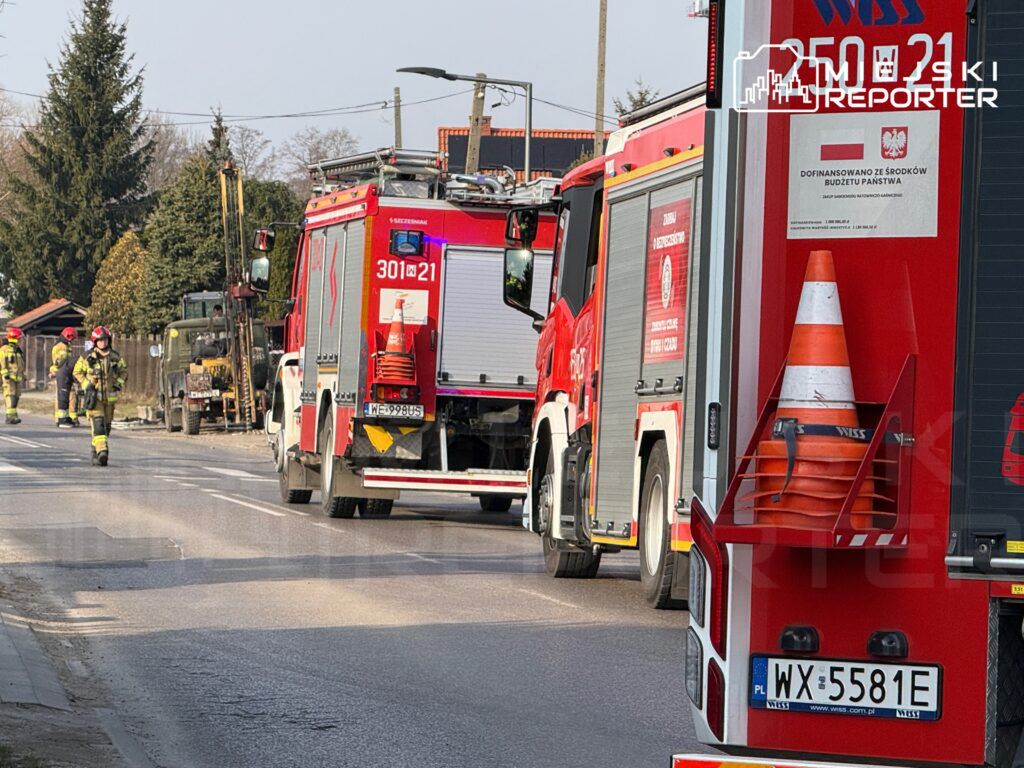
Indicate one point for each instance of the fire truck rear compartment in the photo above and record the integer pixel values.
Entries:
(483, 342)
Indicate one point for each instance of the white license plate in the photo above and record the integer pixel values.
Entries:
(828, 686)
(202, 395)
(393, 410)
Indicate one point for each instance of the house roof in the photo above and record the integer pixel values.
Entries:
(51, 308)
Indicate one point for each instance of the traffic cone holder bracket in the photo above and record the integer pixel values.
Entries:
(886, 464)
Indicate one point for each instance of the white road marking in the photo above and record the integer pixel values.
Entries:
(328, 527)
(424, 558)
(187, 485)
(542, 596)
(23, 442)
(241, 503)
(233, 472)
(167, 477)
(5, 467)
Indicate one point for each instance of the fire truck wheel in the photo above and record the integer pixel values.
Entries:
(291, 495)
(495, 503)
(656, 560)
(561, 559)
(375, 509)
(332, 506)
(192, 420)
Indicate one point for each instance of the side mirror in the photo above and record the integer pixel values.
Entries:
(518, 285)
(259, 274)
(521, 226)
(263, 239)
(156, 350)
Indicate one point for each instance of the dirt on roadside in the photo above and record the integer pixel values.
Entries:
(37, 736)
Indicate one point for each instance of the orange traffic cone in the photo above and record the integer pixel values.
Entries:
(396, 362)
(805, 471)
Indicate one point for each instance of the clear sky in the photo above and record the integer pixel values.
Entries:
(272, 56)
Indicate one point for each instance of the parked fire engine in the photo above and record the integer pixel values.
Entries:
(616, 367)
(857, 570)
(403, 369)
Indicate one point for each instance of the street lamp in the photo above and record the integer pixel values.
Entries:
(527, 87)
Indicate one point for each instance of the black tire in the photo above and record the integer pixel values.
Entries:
(332, 506)
(291, 495)
(191, 421)
(375, 509)
(657, 561)
(495, 503)
(561, 559)
(172, 419)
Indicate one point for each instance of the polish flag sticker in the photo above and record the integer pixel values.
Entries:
(842, 145)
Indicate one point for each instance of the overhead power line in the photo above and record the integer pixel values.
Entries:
(353, 109)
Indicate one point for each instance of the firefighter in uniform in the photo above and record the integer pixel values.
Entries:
(61, 368)
(12, 373)
(100, 372)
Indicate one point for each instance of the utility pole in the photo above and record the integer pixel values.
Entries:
(398, 117)
(476, 125)
(602, 33)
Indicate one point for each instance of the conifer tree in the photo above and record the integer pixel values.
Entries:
(119, 283)
(185, 240)
(87, 162)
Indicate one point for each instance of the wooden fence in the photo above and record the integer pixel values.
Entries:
(143, 370)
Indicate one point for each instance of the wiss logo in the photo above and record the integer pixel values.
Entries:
(871, 13)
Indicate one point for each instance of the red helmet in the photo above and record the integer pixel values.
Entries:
(100, 332)
(69, 334)
(13, 334)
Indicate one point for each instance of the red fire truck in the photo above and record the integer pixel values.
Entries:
(403, 370)
(616, 367)
(857, 570)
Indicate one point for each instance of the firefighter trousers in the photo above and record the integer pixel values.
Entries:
(12, 393)
(100, 419)
(67, 400)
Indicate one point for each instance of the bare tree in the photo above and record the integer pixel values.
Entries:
(253, 152)
(13, 118)
(308, 146)
(172, 146)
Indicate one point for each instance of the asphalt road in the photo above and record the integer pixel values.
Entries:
(233, 630)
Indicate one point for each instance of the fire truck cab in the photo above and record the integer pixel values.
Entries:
(616, 366)
(864, 611)
(403, 369)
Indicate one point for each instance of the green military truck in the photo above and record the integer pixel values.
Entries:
(195, 373)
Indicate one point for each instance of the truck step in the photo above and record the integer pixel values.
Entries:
(471, 481)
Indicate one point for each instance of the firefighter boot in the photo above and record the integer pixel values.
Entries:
(65, 422)
(99, 440)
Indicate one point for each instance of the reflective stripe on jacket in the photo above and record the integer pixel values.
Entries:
(12, 362)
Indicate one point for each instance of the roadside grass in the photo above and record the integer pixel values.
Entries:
(42, 402)
(9, 759)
